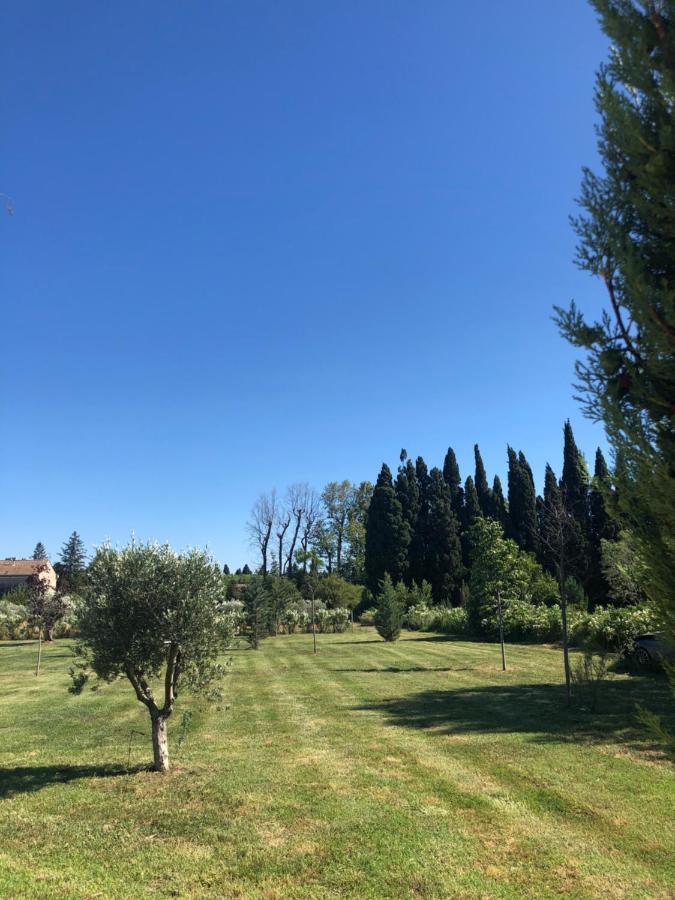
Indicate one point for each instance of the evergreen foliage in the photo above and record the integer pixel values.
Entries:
(443, 567)
(72, 565)
(625, 233)
(390, 609)
(387, 534)
(485, 499)
(420, 533)
(454, 481)
(40, 552)
(472, 510)
(522, 502)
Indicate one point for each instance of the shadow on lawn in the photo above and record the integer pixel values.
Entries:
(537, 709)
(386, 669)
(25, 779)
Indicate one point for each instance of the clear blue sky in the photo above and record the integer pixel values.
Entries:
(259, 242)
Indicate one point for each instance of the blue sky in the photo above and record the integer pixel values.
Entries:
(257, 243)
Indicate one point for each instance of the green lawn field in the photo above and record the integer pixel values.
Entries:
(415, 769)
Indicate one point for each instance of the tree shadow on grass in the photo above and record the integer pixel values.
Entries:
(535, 709)
(403, 669)
(26, 779)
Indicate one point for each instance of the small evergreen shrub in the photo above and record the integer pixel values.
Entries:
(390, 609)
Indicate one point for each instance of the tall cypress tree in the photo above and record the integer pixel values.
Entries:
(602, 527)
(420, 534)
(454, 481)
(40, 552)
(574, 481)
(549, 504)
(522, 502)
(472, 510)
(625, 236)
(500, 512)
(408, 494)
(444, 568)
(387, 534)
(481, 484)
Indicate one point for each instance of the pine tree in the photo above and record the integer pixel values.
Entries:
(420, 534)
(626, 239)
(387, 534)
(246, 570)
(483, 491)
(40, 552)
(72, 564)
(454, 481)
(444, 568)
(226, 569)
(522, 502)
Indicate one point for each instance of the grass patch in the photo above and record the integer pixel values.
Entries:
(416, 769)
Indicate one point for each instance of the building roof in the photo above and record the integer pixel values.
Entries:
(22, 566)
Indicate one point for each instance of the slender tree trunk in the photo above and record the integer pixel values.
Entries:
(160, 743)
(39, 659)
(501, 629)
(566, 655)
(313, 624)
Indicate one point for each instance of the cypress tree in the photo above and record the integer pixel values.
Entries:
(485, 499)
(420, 533)
(472, 510)
(226, 569)
(454, 481)
(625, 236)
(500, 511)
(550, 503)
(408, 494)
(40, 552)
(522, 502)
(444, 568)
(246, 570)
(387, 534)
(574, 481)
(602, 526)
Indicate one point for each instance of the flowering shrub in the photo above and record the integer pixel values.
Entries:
(447, 620)
(613, 628)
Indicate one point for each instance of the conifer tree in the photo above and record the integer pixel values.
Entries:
(408, 494)
(40, 552)
(420, 534)
(500, 511)
(485, 499)
(625, 236)
(522, 502)
(444, 568)
(551, 501)
(454, 481)
(390, 609)
(574, 481)
(72, 564)
(472, 510)
(226, 569)
(246, 570)
(602, 527)
(387, 534)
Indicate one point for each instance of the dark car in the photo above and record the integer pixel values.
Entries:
(651, 649)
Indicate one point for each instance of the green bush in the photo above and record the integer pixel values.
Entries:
(444, 619)
(367, 617)
(612, 628)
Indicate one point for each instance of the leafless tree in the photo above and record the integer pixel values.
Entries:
(261, 523)
(283, 521)
(310, 519)
(295, 500)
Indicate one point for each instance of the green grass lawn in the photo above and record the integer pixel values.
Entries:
(416, 769)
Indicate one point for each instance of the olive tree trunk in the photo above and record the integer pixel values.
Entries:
(160, 743)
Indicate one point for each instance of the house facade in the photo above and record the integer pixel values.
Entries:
(14, 572)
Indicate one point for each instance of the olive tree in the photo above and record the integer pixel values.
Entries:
(152, 616)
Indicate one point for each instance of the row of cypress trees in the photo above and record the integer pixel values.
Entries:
(418, 523)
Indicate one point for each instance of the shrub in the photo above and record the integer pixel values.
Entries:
(613, 628)
(389, 616)
(367, 617)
